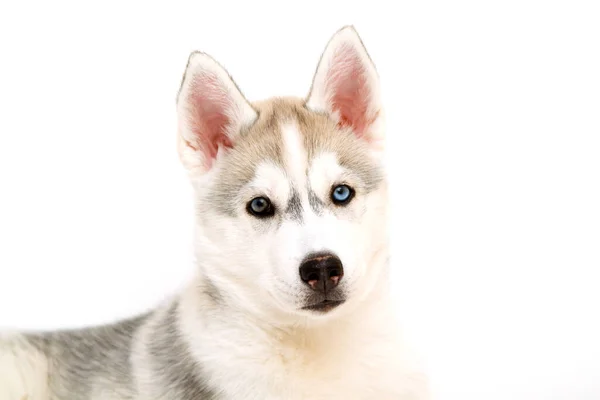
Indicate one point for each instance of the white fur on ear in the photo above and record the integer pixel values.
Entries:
(211, 111)
(346, 85)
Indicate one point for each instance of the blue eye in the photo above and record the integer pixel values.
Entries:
(342, 194)
(260, 207)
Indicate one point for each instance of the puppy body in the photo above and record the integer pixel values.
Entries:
(291, 297)
(190, 349)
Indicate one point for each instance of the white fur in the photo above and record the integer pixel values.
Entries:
(324, 170)
(23, 370)
(355, 357)
(269, 180)
(295, 153)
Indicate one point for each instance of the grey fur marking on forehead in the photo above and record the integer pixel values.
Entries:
(294, 207)
(263, 142)
(315, 202)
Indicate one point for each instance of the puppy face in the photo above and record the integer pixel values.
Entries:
(290, 193)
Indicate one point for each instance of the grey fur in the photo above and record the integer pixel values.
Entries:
(81, 361)
(294, 207)
(177, 373)
(315, 202)
(97, 362)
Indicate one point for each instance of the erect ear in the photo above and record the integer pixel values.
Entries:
(211, 112)
(346, 86)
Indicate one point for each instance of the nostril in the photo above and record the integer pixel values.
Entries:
(313, 277)
(334, 273)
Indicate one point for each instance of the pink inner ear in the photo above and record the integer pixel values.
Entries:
(349, 89)
(208, 104)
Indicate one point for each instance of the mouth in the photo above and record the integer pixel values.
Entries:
(324, 306)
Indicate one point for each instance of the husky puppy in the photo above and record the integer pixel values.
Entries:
(291, 297)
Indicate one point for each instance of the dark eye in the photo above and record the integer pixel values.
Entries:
(260, 207)
(342, 194)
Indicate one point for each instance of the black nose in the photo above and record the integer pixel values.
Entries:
(322, 271)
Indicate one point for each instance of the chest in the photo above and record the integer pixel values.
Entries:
(365, 369)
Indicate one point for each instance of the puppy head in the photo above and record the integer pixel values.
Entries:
(290, 193)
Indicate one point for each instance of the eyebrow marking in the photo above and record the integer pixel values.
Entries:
(315, 202)
(294, 207)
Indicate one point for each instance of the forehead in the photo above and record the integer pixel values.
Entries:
(290, 136)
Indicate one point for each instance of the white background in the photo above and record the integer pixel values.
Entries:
(494, 129)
